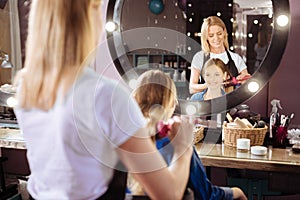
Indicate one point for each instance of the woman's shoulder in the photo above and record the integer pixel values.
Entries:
(199, 54)
(234, 55)
(97, 84)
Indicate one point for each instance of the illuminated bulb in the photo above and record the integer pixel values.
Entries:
(270, 15)
(253, 86)
(190, 19)
(218, 14)
(229, 5)
(132, 83)
(188, 34)
(255, 21)
(282, 20)
(250, 35)
(110, 26)
(191, 109)
(11, 102)
(189, 48)
(189, 5)
(231, 48)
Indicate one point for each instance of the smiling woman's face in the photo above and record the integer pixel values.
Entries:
(213, 76)
(216, 37)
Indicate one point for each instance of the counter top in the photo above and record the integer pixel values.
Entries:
(11, 138)
(220, 155)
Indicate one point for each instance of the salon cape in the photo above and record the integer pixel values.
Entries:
(203, 189)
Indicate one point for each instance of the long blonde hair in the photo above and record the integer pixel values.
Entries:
(208, 22)
(60, 38)
(156, 96)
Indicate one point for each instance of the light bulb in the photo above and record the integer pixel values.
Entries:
(282, 20)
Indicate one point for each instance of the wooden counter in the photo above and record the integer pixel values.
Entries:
(11, 138)
(276, 160)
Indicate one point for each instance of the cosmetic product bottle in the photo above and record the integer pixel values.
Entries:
(274, 119)
(176, 76)
(183, 79)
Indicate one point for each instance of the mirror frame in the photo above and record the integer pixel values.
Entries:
(221, 104)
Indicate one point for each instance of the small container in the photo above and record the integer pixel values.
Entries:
(295, 141)
(259, 150)
(280, 137)
(243, 144)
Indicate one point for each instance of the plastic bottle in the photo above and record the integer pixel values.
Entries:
(274, 117)
(176, 76)
(183, 79)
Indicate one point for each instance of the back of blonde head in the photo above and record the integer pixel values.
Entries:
(156, 91)
(60, 38)
(208, 22)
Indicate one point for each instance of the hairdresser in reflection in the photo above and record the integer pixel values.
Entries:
(214, 43)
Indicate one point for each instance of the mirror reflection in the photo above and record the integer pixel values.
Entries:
(173, 53)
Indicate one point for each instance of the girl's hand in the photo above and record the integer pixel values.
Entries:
(238, 194)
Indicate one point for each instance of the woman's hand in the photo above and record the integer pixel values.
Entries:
(181, 131)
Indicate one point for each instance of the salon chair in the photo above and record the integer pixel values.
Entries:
(7, 190)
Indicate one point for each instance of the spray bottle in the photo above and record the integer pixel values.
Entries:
(274, 117)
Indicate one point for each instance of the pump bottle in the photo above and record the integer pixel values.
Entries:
(274, 117)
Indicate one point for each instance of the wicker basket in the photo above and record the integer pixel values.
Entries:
(256, 135)
(198, 134)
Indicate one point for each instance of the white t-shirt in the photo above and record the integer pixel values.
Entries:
(71, 148)
(198, 59)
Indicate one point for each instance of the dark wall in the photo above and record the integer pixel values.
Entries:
(285, 83)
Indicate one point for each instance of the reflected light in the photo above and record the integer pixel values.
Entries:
(132, 84)
(191, 109)
(253, 86)
(11, 102)
(110, 26)
(282, 20)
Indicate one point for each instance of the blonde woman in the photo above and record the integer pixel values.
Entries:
(214, 43)
(156, 96)
(78, 125)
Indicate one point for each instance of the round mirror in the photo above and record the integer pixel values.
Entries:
(165, 41)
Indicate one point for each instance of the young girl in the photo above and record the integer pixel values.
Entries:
(214, 73)
(156, 96)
